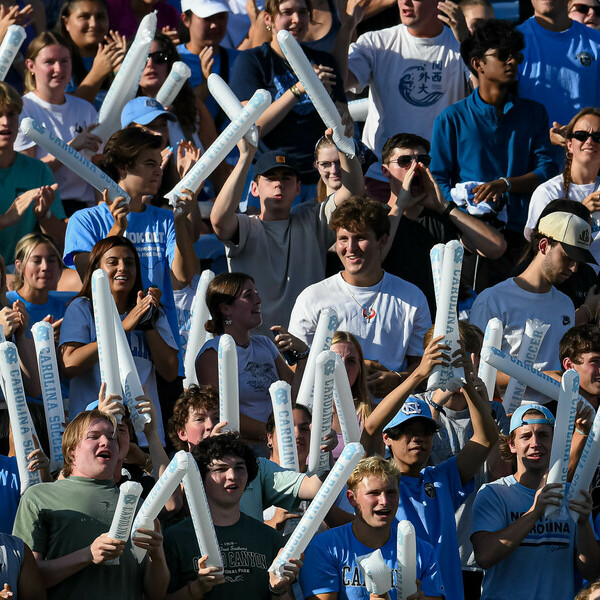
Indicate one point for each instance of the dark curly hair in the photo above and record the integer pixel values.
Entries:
(359, 213)
(491, 34)
(228, 444)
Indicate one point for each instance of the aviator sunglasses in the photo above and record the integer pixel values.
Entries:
(406, 161)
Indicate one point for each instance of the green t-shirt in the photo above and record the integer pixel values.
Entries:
(58, 518)
(26, 173)
(248, 549)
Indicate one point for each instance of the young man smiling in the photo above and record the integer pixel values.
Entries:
(331, 571)
(511, 535)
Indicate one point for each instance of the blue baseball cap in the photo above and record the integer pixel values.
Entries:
(413, 408)
(517, 420)
(143, 110)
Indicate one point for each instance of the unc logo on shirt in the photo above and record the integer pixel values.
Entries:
(421, 85)
(411, 408)
(585, 58)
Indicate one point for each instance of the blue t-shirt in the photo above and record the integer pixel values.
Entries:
(151, 231)
(10, 484)
(545, 557)
(56, 306)
(330, 565)
(560, 68)
(429, 503)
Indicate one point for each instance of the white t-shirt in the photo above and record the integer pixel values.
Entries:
(411, 80)
(553, 190)
(513, 306)
(66, 121)
(397, 329)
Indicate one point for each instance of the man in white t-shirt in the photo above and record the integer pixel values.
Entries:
(388, 315)
(560, 241)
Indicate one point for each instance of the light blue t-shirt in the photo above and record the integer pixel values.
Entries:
(429, 503)
(56, 306)
(560, 68)
(151, 231)
(330, 565)
(545, 557)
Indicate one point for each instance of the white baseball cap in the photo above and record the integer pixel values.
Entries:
(573, 233)
(204, 8)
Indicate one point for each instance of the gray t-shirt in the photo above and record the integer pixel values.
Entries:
(283, 257)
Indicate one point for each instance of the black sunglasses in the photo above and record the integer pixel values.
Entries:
(159, 57)
(406, 161)
(504, 54)
(584, 9)
(582, 136)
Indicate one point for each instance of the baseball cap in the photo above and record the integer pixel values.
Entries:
(143, 110)
(204, 8)
(517, 420)
(573, 233)
(412, 408)
(275, 160)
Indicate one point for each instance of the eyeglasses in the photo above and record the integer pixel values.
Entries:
(406, 160)
(584, 9)
(505, 54)
(159, 57)
(327, 164)
(582, 136)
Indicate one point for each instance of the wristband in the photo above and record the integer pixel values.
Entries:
(577, 430)
(507, 182)
(296, 92)
(435, 406)
(449, 208)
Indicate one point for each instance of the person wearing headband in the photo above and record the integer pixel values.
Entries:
(511, 534)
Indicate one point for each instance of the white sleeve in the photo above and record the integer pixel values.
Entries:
(303, 320)
(361, 61)
(421, 324)
(539, 200)
(482, 312)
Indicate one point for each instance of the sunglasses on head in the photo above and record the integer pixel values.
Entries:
(159, 57)
(582, 136)
(504, 54)
(584, 9)
(406, 161)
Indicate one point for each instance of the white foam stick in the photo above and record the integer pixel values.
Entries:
(11, 43)
(200, 513)
(492, 337)
(436, 256)
(326, 327)
(229, 385)
(535, 330)
(563, 433)
(163, 489)
(128, 374)
(43, 338)
(72, 159)
(197, 337)
(319, 507)
(178, 75)
(316, 91)
(105, 333)
(322, 414)
(446, 318)
(222, 146)
(359, 109)
(281, 398)
(230, 104)
(406, 545)
(376, 574)
(536, 380)
(18, 413)
(125, 84)
(344, 403)
(129, 495)
(588, 463)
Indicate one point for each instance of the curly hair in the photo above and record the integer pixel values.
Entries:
(360, 213)
(196, 397)
(579, 340)
(228, 444)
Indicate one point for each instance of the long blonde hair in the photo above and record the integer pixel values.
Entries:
(25, 246)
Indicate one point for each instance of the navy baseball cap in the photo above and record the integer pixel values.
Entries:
(413, 408)
(275, 160)
(517, 420)
(143, 110)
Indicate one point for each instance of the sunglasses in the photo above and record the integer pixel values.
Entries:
(504, 54)
(406, 161)
(159, 57)
(584, 9)
(582, 136)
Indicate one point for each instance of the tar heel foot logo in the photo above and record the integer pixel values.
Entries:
(421, 85)
(585, 58)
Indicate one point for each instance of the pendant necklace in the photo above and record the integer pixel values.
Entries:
(368, 312)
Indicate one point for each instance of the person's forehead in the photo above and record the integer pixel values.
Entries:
(534, 427)
(342, 232)
(408, 151)
(300, 417)
(376, 482)
(100, 425)
(230, 460)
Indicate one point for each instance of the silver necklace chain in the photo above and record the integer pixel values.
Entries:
(367, 311)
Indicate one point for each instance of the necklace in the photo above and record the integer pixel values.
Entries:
(368, 312)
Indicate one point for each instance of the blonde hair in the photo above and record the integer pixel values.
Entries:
(25, 246)
(376, 466)
(74, 434)
(586, 592)
(43, 40)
